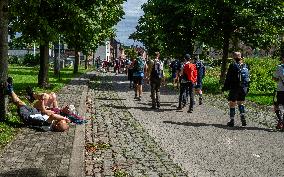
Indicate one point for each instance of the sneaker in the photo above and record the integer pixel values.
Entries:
(9, 86)
(200, 101)
(139, 98)
(153, 107)
(179, 108)
(231, 123)
(30, 94)
(243, 120)
(279, 125)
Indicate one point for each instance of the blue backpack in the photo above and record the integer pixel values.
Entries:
(243, 75)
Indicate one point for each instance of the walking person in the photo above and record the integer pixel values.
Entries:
(155, 76)
(139, 69)
(188, 79)
(175, 65)
(237, 83)
(200, 75)
(278, 76)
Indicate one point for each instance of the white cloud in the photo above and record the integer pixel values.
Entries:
(126, 26)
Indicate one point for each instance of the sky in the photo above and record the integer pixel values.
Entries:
(126, 26)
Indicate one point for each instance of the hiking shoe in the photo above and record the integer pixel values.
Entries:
(231, 123)
(243, 120)
(190, 110)
(200, 101)
(30, 94)
(280, 125)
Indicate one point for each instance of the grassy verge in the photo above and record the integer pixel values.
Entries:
(23, 77)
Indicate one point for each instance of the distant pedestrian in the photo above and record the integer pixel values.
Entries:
(188, 79)
(278, 76)
(156, 74)
(130, 73)
(139, 69)
(237, 83)
(175, 65)
(200, 75)
(117, 66)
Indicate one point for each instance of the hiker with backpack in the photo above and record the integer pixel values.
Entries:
(188, 75)
(200, 75)
(139, 69)
(175, 65)
(278, 76)
(237, 83)
(155, 74)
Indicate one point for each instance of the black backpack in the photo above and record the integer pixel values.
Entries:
(156, 71)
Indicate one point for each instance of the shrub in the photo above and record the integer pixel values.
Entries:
(14, 60)
(30, 60)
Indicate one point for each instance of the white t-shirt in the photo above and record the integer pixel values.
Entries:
(279, 74)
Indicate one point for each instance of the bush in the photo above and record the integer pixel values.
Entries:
(15, 60)
(30, 60)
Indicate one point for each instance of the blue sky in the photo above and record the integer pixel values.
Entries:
(126, 26)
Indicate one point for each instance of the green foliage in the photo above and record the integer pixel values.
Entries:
(15, 60)
(131, 53)
(262, 85)
(31, 60)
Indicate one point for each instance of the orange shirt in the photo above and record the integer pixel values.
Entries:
(191, 72)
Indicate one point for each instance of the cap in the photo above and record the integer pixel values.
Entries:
(187, 56)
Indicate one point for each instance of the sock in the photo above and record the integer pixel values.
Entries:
(232, 113)
(278, 114)
(242, 110)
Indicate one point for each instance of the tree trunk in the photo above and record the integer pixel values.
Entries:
(77, 60)
(3, 56)
(226, 43)
(86, 61)
(44, 65)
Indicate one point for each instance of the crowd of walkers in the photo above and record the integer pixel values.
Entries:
(187, 76)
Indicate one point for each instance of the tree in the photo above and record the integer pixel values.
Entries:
(3, 55)
(256, 23)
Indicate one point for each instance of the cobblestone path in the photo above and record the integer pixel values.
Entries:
(147, 142)
(120, 145)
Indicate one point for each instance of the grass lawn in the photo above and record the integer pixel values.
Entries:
(23, 77)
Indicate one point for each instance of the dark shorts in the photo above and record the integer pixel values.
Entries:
(174, 75)
(237, 94)
(138, 80)
(279, 98)
(31, 116)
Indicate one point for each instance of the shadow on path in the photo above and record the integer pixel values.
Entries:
(219, 126)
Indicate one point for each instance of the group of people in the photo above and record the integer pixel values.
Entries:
(44, 110)
(187, 76)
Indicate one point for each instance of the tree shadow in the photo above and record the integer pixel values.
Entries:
(219, 126)
(143, 108)
(31, 172)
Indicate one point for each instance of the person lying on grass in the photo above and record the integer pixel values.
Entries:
(33, 117)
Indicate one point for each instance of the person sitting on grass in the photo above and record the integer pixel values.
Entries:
(32, 117)
(50, 99)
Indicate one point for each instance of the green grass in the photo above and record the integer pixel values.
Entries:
(23, 77)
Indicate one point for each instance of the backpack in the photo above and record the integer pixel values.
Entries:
(243, 75)
(175, 65)
(200, 69)
(139, 64)
(157, 71)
